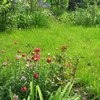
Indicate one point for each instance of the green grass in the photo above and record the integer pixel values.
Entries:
(83, 42)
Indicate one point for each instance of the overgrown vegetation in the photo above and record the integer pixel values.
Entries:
(85, 17)
(47, 72)
(26, 14)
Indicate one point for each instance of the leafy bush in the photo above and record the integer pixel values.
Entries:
(37, 19)
(58, 6)
(57, 10)
(22, 14)
(66, 18)
(85, 17)
(40, 19)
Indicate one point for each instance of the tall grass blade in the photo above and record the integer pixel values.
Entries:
(64, 90)
(11, 94)
(69, 89)
(39, 92)
(57, 95)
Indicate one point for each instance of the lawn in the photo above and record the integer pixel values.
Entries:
(81, 41)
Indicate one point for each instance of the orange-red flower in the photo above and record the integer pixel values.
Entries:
(23, 55)
(37, 50)
(49, 60)
(36, 75)
(24, 89)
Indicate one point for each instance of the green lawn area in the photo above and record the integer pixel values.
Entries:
(83, 42)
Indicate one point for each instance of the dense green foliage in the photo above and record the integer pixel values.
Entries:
(26, 14)
(49, 44)
(60, 94)
(84, 17)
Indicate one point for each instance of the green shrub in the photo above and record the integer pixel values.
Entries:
(57, 10)
(85, 17)
(23, 20)
(22, 15)
(66, 18)
(58, 6)
(40, 19)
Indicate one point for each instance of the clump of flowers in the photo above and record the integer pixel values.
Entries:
(48, 72)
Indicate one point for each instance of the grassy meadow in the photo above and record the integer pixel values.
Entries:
(50, 50)
(81, 41)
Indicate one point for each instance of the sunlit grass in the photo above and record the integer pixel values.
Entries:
(83, 42)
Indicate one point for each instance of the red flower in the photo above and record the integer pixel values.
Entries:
(23, 55)
(36, 75)
(37, 50)
(49, 60)
(36, 57)
(24, 89)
